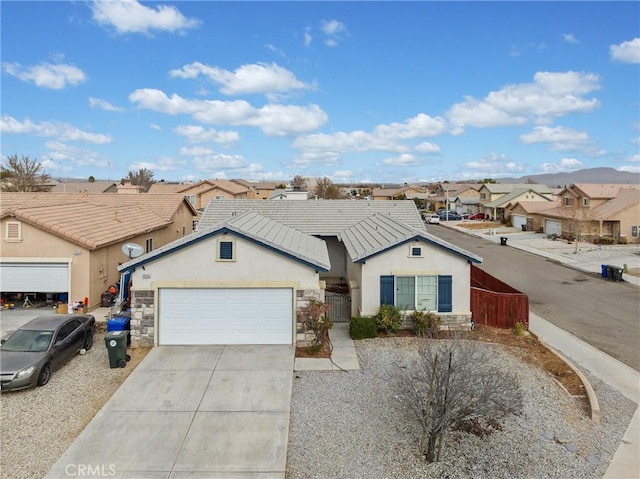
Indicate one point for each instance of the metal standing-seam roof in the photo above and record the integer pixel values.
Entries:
(314, 217)
(379, 233)
(257, 228)
(93, 220)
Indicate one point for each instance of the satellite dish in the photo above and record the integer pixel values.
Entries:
(132, 250)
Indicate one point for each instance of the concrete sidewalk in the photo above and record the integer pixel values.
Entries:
(343, 355)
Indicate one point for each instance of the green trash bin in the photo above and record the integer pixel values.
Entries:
(617, 273)
(116, 342)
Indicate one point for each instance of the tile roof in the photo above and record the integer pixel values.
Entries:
(93, 220)
(625, 198)
(314, 217)
(260, 229)
(379, 232)
(507, 188)
(596, 190)
(535, 206)
(82, 186)
(162, 187)
(503, 200)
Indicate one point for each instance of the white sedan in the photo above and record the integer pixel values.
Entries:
(433, 219)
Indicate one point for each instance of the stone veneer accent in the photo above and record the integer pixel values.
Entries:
(142, 321)
(448, 321)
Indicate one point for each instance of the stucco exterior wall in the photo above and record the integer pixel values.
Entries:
(436, 261)
(337, 258)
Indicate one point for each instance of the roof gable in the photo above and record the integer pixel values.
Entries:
(258, 229)
(378, 233)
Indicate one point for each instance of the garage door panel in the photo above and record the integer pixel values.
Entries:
(34, 277)
(225, 316)
(553, 227)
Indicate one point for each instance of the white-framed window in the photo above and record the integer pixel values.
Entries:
(634, 231)
(149, 245)
(194, 224)
(417, 293)
(219, 197)
(13, 231)
(585, 201)
(568, 201)
(483, 196)
(226, 250)
(191, 199)
(415, 251)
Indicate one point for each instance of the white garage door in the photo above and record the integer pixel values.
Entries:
(518, 220)
(34, 277)
(225, 316)
(553, 227)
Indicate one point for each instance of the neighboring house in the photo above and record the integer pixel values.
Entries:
(252, 264)
(84, 187)
(588, 211)
(259, 190)
(199, 194)
(528, 213)
(446, 196)
(465, 200)
(61, 246)
(406, 192)
(494, 197)
(288, 194)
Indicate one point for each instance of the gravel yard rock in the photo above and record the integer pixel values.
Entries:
(353, 425)
(39, 424)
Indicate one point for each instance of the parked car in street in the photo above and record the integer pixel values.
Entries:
(450, 216)
(433, 219)
(30, 355)
(478, 216)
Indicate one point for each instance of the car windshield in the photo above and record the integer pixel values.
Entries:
(28, 341)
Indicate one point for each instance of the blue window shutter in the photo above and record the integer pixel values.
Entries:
(445, 294)
(226, 250)
(386, 289)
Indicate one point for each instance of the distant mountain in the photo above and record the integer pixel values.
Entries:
(589, 175)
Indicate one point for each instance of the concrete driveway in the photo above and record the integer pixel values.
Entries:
(192, 411)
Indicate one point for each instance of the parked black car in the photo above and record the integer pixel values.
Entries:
(30, 355)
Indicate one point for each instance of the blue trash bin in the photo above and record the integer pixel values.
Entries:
(122, 322)
(604, 270)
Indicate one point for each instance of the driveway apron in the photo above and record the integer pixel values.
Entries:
(192, 411)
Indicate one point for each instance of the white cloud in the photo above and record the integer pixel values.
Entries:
(162, 165)
(63, 158)
(333, 30)
(214, 161)
(551, 95)
(130, 16)
(103, 104)
(404, 159)
(247, 79)
(518, 50)
(274, 120)
(493, 165)
(55, 76)
(155, 127)
(197, 134)
(570, 38)
(428, 148)
(626, 52)
(631, 169)
(565, 164)
(61, 131)
(307, 37)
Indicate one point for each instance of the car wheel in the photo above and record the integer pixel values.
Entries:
(88, 341)
(121, 363)
(45, 375)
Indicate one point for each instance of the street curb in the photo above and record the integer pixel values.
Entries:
(594, 405)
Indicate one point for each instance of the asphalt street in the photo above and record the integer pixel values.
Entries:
(601, 313)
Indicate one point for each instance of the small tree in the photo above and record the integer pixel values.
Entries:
(23, 175)
(142, 178)
(453, 381)
(299, 182)
(314, 317)
(326, 190)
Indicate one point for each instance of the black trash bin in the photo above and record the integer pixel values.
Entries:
(524, 227)
(116, 342)
(610, 272)
(617, 273)
(503, 240)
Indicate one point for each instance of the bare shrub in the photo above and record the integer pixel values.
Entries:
(451, 382)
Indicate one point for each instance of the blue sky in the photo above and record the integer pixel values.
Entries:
(357, 91)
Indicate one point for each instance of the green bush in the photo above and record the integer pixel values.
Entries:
(389, 318)
(361, 328)
(606, 240)
(426, 323)
(518, 329)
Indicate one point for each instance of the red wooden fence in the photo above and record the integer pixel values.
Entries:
(496, 304)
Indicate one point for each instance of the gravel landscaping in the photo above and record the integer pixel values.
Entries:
(353, 425)
(38, 425)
